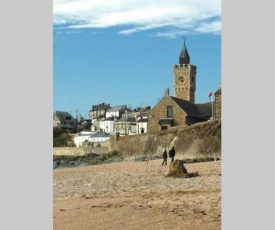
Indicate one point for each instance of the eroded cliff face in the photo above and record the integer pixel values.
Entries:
(198, 141)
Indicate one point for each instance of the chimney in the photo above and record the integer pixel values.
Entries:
(166, 92)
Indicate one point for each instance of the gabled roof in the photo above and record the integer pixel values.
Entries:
(62, 115)
(194, 110)
(187, 106)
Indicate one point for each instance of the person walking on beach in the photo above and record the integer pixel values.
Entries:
(164, 156)
(172, 153)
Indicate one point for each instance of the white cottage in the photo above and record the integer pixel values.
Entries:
(80, 137)
(107, 124)
(142, 125)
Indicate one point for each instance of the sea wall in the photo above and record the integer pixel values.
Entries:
(197, 141)
(201, 140)
(78, 151)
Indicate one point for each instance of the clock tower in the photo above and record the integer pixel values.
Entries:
(185, 77)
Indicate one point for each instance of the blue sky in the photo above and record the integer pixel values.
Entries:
(123, 52)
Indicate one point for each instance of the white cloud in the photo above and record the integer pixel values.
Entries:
(134, 16)
(211, 27)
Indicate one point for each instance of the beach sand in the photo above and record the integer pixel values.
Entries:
(136, 195)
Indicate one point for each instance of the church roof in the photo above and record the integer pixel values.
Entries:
(187, 107)
(205, 109)
(194, 110)
(184, 56)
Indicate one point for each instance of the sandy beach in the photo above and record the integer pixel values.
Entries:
(136, 195)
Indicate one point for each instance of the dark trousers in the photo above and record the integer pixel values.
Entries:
(164, 161)
(172, 159)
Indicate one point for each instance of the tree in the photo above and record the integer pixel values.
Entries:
(60, 137)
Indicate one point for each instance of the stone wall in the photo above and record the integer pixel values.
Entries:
(198, 140)
(160, 111)
(78, 151)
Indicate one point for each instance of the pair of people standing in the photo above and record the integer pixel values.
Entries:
(172, 154)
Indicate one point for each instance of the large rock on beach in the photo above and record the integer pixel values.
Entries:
(177, 169)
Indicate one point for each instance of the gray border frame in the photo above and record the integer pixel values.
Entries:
(247, 129)
(26, 106)
(26, 115)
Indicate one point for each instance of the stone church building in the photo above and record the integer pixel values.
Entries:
(181, 109)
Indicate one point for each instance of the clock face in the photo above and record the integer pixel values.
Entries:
(181, 79)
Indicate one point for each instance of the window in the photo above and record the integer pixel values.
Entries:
(169, 111)
(164, 127)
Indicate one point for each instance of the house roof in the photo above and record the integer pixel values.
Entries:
(142, 109)
(205, 109)
(101, 106)
(85, 133)
(128, 119)
(194, 110)
(144, 114)
(82, 135)
(100, 134)
(187, 107)
(62, 115)
(116, 108)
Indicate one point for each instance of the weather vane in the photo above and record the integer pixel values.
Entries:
(184, 38)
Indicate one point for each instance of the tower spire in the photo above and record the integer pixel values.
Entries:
(184, 58)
